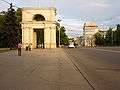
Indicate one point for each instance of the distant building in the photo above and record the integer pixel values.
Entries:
(77, 41)
(89, 29)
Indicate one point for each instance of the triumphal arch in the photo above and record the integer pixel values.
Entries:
(39, 27)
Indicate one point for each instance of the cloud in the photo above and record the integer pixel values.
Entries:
(98, 5)
(74, 27)
(74, 13)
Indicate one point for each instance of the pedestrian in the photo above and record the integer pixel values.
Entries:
(26, 47)
(19, 49)
(30, 47)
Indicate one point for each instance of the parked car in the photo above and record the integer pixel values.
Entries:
(71, 46)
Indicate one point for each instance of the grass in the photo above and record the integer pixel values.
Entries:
(2, 50)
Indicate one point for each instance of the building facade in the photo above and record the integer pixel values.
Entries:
(89, 29)
(77, 41)
(39, 27)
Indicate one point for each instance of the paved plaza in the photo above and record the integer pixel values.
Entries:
(40, 69)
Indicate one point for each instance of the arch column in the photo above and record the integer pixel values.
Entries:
(27, 36)
(50, 37)
(53, 37)
(47, 37)
(34, 39)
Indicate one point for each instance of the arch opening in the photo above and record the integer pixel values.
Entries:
(39, 17)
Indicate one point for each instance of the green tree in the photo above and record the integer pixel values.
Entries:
(11, 29)
(64, 40)
(109, 37)
(99, 39)
(2, 19)
(63, 37)
(118, 35)
(114, 38)
(19, 15)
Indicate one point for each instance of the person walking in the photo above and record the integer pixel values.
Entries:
(26, 47)
(19, 49)
(30, 46)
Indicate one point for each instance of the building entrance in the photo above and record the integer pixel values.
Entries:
(39, 38)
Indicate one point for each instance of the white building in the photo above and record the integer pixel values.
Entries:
(89, 29)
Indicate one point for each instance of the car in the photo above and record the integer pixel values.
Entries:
(71, 46)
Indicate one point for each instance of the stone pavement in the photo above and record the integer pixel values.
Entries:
(39, 69)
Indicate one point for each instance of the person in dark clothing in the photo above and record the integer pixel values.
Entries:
(30, 47)
(19, 49)
(27, 47)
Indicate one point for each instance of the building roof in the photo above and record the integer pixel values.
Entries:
(38, 8)
(90, 24)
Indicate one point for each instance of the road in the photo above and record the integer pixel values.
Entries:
(61, 69)
(100, 66)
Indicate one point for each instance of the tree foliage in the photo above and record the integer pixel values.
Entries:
(118, 35)
(63, 37)
(2, 19)
(109, 37)
(10, 30)
(112, 37)
(99, 39)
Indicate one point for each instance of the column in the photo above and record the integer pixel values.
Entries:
(31, 36)
(34, 39)
(25, 36)
(53, 37)
(47, 37)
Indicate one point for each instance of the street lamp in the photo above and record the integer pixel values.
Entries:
(59, 31)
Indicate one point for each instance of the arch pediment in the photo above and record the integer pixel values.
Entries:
(45, 14)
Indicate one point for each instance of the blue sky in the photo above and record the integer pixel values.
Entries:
(74, 13)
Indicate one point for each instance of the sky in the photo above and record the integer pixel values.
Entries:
(74, 13)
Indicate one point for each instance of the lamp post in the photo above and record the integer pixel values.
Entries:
(112, 36)
(59, 32)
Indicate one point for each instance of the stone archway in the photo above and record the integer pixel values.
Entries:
(34, 19)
